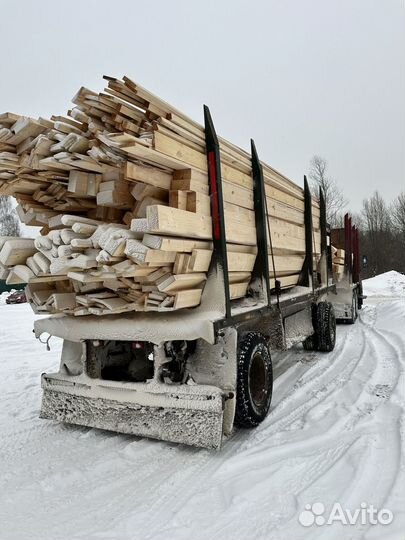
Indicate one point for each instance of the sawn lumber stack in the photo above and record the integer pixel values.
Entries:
(120, 190)
(338, 262)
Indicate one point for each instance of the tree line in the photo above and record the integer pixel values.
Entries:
(381, 224)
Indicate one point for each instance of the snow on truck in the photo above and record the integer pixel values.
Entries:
(215, 276)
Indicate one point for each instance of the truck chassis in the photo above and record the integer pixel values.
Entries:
(189, 376)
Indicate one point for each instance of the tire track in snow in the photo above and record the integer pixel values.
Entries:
(93, 484)
(389, 374)
(340, 439)
(319, 388)
(210, 465)
(384, 446)
(209, 468)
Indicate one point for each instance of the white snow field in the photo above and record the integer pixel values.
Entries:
(391, 284)
(335, 435)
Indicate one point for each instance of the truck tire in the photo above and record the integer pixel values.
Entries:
(309, 343)
(255, 380)
(325, 327)
(359, 295)
(354, 309)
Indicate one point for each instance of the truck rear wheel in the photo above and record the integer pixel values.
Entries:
(325, 327)
(310, 343)
(359, 295)
(354, 309)
(255, 380)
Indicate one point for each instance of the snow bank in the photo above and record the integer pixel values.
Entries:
(388, 284)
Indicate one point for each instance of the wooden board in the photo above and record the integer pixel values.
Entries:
(200, 260)
(198, 203)
(163, 219)
(16, 251)
(285, 281)
(286, 264)
(181, 282)
(174, 244)
(19, 274)
(128, 157)
(189, 298)
(147, 175)
(238, 290)
(240, 261)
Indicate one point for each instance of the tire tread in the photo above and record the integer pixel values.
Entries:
(245, 415)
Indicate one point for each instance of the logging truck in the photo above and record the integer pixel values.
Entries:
(189, 376)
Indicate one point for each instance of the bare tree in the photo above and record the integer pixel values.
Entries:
(334, 198)
(398, 219)
(9, 222)
(376, 214)
(378, 239)
(398, 213)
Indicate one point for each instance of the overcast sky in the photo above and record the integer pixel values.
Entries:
(301, 77)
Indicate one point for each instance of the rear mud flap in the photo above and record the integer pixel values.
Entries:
(199, 423)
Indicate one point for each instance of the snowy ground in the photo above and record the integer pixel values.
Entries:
(390, 284)
(335, 434)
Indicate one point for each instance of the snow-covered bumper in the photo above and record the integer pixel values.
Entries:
(189, 414)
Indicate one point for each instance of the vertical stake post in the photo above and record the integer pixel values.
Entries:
(308, 268)
(323, 227)
(261, 268)
(347, 244)
(217, 205)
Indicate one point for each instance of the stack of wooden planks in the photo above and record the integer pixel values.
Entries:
(338, 262)
(119, 187)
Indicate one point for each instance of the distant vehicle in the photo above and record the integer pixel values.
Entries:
(17, 297)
